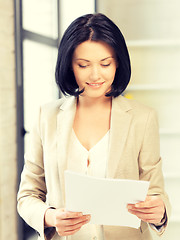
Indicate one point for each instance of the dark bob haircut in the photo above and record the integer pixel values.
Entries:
(94, 27)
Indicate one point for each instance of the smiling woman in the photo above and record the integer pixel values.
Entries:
(94, 131)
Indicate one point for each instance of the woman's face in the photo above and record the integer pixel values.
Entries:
(94, 66)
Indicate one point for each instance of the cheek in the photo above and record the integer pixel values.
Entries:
(109, 75)
(76, 74)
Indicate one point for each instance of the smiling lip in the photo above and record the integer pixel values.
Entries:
(95, 84)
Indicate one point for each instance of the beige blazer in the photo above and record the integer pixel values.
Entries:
(134, 154)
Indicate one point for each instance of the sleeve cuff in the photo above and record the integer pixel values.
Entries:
(49, 232)
(160, 226)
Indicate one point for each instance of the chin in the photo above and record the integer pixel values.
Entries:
(95, 95)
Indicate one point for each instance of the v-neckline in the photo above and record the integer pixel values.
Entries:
(92, 146)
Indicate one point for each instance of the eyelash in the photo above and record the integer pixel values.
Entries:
(103, 65)
(106, 65)
(81, 66)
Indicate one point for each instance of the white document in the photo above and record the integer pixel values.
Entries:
(105, 199)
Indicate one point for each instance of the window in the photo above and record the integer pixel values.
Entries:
(37, 38)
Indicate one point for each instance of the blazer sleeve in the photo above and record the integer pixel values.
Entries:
(150, 163)
(32, 191)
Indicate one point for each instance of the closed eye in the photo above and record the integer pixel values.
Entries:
(106, 65)
(82, 66)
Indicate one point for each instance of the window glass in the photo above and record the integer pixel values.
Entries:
(40, 16)
(39, 78)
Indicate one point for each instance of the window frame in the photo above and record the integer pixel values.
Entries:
(20, 35)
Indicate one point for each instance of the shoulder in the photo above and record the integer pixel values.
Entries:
(54, 107)
(132, 106)
(49, 113)
(138, 111)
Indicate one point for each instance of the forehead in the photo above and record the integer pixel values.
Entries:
(91, 50)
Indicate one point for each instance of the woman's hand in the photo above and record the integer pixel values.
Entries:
(66, 223)
(151, 210)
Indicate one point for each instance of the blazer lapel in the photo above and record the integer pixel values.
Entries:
(120, 124)
(65, 121)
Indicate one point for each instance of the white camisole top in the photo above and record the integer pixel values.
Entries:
(92, 163)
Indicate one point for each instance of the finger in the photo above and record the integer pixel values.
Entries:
(146, 204)
(145, 210)
(150, 202)
(147, 217)
(62, 233)
(74, 221)
(65, 230)
(75, 226)
(156, 211)
(130, 205)
(71, 232)
(65, 215)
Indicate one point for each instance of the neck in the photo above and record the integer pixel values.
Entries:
(94, 102)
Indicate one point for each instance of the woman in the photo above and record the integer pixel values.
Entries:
(95, 131)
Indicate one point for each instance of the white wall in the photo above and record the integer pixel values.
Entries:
(71, 9)
(8, 145)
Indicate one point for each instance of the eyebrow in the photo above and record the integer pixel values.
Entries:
(89, 61)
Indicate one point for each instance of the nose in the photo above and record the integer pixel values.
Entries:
(95, 73)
